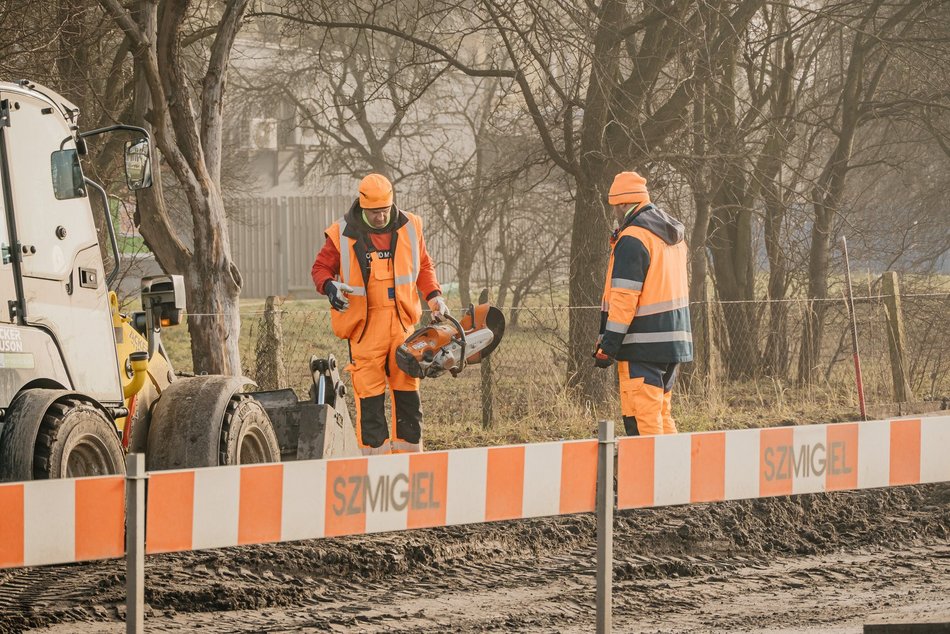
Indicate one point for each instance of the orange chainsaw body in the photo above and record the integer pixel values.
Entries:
(449, 345)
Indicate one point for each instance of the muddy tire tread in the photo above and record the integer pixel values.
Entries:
(50, 429)
(49, 432)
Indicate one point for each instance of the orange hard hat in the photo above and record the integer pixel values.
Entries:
(628, 187)
(375, 192)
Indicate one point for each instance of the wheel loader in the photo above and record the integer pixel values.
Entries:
(81, 383)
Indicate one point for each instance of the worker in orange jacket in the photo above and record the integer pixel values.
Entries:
(644, 324)
(371, 268)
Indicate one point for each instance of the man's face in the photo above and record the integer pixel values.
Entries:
(378, 218)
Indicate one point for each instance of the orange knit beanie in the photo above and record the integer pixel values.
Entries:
(628, 187)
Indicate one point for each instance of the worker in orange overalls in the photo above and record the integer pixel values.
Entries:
(372, 268)
(644, 323)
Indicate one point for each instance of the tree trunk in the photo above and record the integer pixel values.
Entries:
(190, 143)
(510, 252)
(768, 174)
(730, 235)
(731, 245)
(588, 261)
(776, 344)
(466, 259)
(814, 322)
(214, 313)
(214, 287)
(504, 284)
(700, 371)
(590, 227)
(700, 186)
(71, 60)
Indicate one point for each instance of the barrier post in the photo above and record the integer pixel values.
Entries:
(135, 543)
(605, 524)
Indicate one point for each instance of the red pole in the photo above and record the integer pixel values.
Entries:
(849, 297)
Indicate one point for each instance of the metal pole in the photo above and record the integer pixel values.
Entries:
(854, 331)
(605, 524)
(135, 543)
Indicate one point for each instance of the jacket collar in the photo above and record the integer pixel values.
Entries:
(356, 226)
(657, 222)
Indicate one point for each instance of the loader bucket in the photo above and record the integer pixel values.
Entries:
(307, 430)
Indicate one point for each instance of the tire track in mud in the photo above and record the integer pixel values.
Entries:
(77, 592)
(529, 575)
(798, 593)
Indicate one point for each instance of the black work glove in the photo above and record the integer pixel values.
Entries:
(336, 293)
(602, 360)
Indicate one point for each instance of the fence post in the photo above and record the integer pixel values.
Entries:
(135, 543)
(269, 363)
(605, 524)
(488, 383)
(895, 337)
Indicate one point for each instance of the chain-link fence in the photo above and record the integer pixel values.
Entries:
(756, 366)
(749, 369)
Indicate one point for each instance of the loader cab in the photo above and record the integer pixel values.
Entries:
(54, 296)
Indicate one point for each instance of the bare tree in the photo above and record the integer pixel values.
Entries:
(603, 100)
(189, 137)
(472, 190)
(870, 31)
(354, 99)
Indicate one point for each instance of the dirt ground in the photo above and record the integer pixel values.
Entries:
(827, 563)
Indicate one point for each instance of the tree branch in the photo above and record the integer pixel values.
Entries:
(213, 85)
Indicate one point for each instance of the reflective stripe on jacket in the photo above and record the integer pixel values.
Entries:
(405, 257)
(645, 308)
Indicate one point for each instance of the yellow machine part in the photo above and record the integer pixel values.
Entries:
(127, 341)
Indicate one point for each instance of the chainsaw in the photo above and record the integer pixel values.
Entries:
(451, 344)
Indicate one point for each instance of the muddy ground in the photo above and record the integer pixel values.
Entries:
(825, 563)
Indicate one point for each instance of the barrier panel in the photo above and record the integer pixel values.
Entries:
(62, 521)
(230, 506)
(754, 463)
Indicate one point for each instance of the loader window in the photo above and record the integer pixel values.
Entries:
(67, 175)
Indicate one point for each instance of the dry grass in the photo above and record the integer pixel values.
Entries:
(531, 401)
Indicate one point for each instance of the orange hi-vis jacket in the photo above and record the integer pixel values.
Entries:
(351, 323)
(645, 309)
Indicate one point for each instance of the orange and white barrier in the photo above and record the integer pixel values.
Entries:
(60, 521)
(753, 463)
(228, 506)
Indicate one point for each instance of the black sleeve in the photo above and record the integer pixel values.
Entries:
(631, 260)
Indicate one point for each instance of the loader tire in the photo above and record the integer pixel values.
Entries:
(76, 440)
(247, 435)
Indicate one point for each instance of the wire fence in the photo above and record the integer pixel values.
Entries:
(748, 370)
(755, 362)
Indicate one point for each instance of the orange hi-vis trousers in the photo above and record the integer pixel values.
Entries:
(373, 368)
(645, 392)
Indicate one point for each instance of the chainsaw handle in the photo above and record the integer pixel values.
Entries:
(461, 331)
